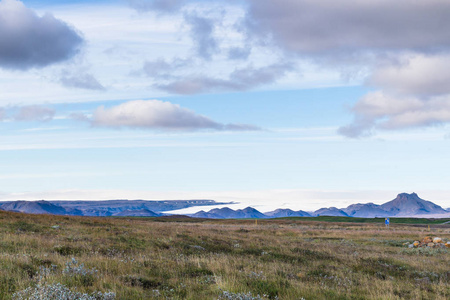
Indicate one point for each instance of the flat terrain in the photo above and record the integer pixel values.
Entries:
(183, 258)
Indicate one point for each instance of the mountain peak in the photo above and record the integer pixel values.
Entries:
(407, 196)
(411, 204)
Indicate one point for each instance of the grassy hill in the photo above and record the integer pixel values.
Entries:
(185, 258)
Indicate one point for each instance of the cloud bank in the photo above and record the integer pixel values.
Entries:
(30, 41)
(156, 114)
(349, 27)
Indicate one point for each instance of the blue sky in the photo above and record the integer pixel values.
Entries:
(243, 101)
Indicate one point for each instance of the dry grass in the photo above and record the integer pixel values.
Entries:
(198, 259)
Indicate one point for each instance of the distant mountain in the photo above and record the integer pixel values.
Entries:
(331, 211)
(37, 207)
(410, 205)
(112, 207)
(404, 205)
(206, 215)
(137, 213)
(224, 212)
(101, 208)
(282, 213)
(367, 210)
(228, 213)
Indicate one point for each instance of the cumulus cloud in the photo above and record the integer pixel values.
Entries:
(80, 79)
(240, 79)
(156, 114)
(34, 113)
(378, 110)
(348, 27)
(156, 5)
(30, 41)
(420, 75)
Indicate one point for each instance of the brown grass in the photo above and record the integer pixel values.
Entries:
(170, 258)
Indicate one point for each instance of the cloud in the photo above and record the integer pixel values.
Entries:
(420, 75)
(156, 5)
(202, 32)
(80, 79)
(239, 53)
(402, 48)
(30, 41)
(161, 68)
(156, 114)
(349, 28)
(34, 113)
(240, 79)
(378, 110)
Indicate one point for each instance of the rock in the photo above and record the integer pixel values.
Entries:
(437, 240)
(431, 245)
(411, 246)
(427, 240)
(440, 245)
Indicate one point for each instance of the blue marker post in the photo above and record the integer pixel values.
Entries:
(386, 222)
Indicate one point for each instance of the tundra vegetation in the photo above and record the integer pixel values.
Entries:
(184, 258)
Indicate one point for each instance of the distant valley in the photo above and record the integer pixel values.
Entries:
(404, 205)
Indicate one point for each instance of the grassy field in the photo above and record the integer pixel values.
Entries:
(170, 258)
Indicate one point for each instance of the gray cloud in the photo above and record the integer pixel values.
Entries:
(155, 114)
(401, 47)
(34, 113)
(202, 32)
(156, 5)
(348, 28)
(80, 79)
(239, 79)
(29, 41)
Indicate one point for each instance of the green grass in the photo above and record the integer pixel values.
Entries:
(371, 220)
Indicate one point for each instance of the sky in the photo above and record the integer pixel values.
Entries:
(301, 104)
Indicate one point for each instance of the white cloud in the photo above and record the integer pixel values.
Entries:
(156, 114)
(418, 75)
(378, 110)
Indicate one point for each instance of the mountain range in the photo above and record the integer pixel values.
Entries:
(104, 208)
(404, 205)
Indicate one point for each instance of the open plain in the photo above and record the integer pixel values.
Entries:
(184, 258)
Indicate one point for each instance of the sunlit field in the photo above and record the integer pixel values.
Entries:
(183, 258)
